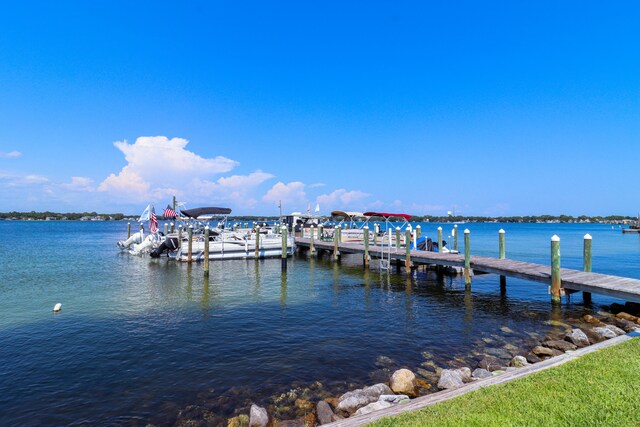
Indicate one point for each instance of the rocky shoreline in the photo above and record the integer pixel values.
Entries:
(394, 385)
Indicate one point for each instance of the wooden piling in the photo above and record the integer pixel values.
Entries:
(173, 226)
(502, 254)
(312, 249)
(439, 239)
(257, 248)
(128, 230)
(397, 238)
(467, 258)
(166, 228)
(418, 232)
(206, 251)
(283, 230)
(586, 296)
(455, 237)
(407, 258)
(336, 239)
(190, 244)
(366, 246)
(556, 280)
(179, 236)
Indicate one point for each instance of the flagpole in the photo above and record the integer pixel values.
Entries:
(280, 206)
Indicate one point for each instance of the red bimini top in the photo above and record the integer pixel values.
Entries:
(386, 215)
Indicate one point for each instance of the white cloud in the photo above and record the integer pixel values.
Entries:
(291, 194)
(14, 180)
(10, 155)
(157, 165)
(235, 189)
(316, 185)
(79, 183)
(341, 198)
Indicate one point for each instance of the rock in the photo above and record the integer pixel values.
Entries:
(532, 358)
(615, 330)
(557, 352)
(506, 330)
(325, 413)
(351, 401)
(518, 362)
(239, 421)
(385, 362)
(626, 325)
(403, 381)
(393, 398)
(300, 422)
(626, 316)
(633, 307)
(490, 363)
(498, 352)
(453, 378)
(480, 373)
(371, 407)
(258, 417)
(304, 405)
(542, 351)
(578, 338)
(559, 345)
(309, 419)
(593, 336)
(427, 375)
(422, 384)
(604, 332)
(333, 401)
(557, 323)
(590, 319)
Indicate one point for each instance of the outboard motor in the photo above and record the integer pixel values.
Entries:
(169, 244)
(430, 244)
(135, 238)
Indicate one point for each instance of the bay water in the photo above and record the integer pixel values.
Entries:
(143, 340)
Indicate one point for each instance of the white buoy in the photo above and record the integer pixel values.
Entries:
(57, 308)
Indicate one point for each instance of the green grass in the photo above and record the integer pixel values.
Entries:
(598, 389)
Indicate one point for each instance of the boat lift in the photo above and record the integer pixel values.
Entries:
(385, 260)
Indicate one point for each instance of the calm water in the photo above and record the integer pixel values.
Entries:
(150, 341)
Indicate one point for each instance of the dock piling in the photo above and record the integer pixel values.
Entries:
(312, 249)
(586, 296)
(455, 237)
(407, 241)
(501, 244)
(166, 228)
(467, 258)
(179, 236)
(283, 230)
(556, 280)
(190, 244)
(336, 239)
(366, 246)
(128, 230)
(173, 226)
(397, 238)
(257, 248)
(418, 232)
(206, 250)
(439, 239)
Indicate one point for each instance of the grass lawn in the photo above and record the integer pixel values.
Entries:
(597, 389)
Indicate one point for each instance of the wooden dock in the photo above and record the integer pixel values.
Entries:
(573, 280)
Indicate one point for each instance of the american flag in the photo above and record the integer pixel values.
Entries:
(169, 213)
(153, 221)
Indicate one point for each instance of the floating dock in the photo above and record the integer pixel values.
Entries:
(571, 280)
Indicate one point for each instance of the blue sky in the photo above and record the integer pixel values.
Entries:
(492, 108)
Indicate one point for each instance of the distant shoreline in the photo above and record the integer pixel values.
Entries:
(93, 216)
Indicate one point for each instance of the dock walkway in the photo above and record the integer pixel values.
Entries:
(574, 280)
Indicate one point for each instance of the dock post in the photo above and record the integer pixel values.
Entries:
(206, 250)
(397, 238)
(257, 248)
(455, 237)
(501, 244)
(467, 259)
(502, 254)
(439, 239)
(190, 244)
(179, 235)
(128, 230)
(312, 250)
(407, 258)
(166, 228)
(418, 232)
(366, 245)
(336, 239)
(556, 280)
(283, 229)
(173, 226)
(586, 296)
